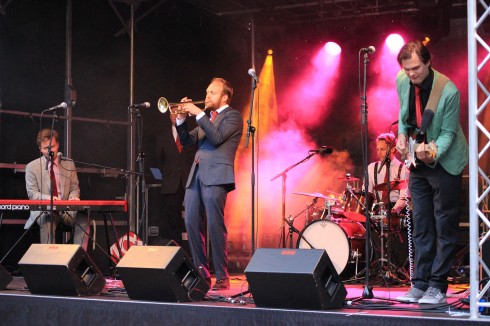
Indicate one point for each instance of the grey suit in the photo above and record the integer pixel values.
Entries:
(38, 187)
(211, 178)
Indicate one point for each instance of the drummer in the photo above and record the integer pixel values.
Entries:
(378, 178)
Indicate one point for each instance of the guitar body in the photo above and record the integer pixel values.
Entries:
(410, 158)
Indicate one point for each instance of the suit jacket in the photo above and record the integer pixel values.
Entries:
(37, 176)
(445, 129)
(217, 143)
(175, 166)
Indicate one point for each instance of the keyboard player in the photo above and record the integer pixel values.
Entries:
(65, 187)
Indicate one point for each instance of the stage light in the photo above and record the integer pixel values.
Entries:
(269, 52)
(426, 40)
(394, 42)
(332, 48)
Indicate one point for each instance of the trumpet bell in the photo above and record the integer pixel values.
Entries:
(163, 105)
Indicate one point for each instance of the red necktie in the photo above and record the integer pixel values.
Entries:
(53, 179)
(177, 142)
(213, 115)
(418, 106)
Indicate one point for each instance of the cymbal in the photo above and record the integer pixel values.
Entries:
(317, 195)
(394, 185)
(348, 178)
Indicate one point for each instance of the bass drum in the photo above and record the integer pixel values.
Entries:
(344, 241)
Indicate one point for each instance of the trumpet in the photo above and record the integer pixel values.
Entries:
(164, 105)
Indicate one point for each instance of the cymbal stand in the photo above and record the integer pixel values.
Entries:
(290, 220)
(327, 207)
(307, 209)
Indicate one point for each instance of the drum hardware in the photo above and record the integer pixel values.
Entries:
(348, 178)
(289, 221)
(388, 271)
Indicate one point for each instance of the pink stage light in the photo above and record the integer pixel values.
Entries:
(394, 42)
(332, 48)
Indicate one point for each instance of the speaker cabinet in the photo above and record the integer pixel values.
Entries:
(60, 270)
(161, 273)
(5, 278)
(294, 278)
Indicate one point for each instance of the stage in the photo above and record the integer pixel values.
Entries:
(113, 307)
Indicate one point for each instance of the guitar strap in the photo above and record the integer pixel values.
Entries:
(436, 93)
(435, 97)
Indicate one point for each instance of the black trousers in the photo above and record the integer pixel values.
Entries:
(436, 206)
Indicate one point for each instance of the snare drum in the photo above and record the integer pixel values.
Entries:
(344, 241)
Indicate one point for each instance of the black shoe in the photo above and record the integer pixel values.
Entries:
(223, 284)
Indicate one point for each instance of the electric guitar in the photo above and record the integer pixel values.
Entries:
(410, 158)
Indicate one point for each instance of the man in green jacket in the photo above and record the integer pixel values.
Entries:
(440, 153)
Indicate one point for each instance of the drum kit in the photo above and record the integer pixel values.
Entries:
(339, 227)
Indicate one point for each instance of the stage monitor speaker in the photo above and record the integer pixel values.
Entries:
(5, 277)
(60, 269)
(161, 273)
(294, 278)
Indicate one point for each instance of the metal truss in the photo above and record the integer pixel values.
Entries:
(479, 145)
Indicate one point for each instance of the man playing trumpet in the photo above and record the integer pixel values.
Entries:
(212, 175)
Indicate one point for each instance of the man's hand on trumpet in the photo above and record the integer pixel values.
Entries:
(189, 108)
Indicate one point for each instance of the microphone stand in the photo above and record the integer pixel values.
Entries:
(283, 174)
(251, 131)
(368, 291)
(50, 158)
(141, 166)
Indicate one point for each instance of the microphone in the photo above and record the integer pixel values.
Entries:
(394, 123)
(370, 49)
(323, 150)
(62, 105)
(388, 152)
(427, 117)
(144, 105)
(61, 158)
(252, 73)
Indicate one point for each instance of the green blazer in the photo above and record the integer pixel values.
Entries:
(445, 129)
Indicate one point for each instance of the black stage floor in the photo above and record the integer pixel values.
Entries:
(113, 307)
